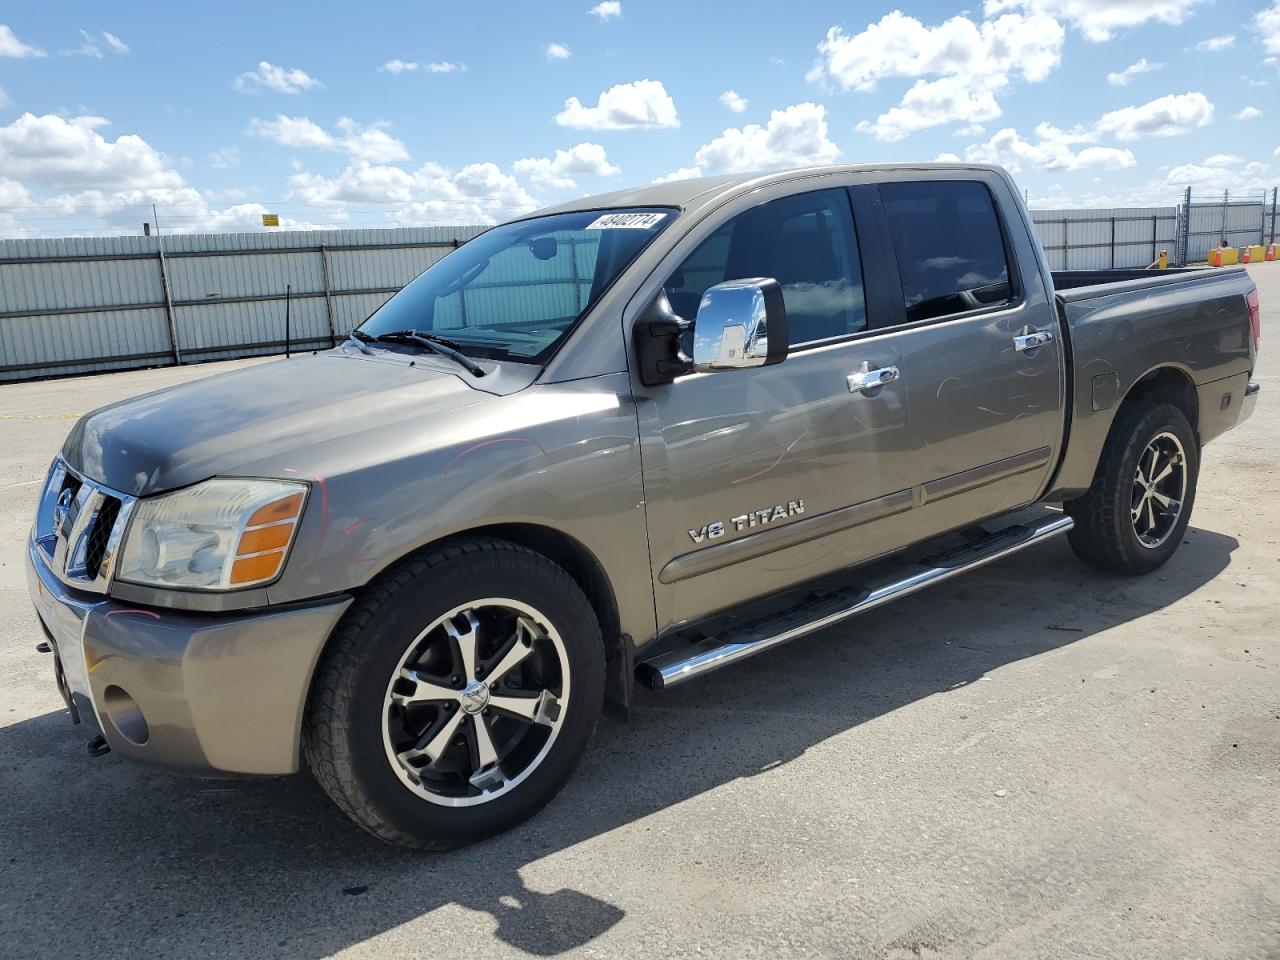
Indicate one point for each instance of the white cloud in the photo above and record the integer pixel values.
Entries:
(1168, 116)
(1099, 20)
(969, 130)
(1267, 22)
(684, 173)
(734, 101)
(626, 106)
(56, 152)
(901, 46)
(4, 98)
(946, 158)
(293, 132)
(269, 76)
(607, 9)
(558, 51)
(1214, 44)
(1247, 113)
(1123, 77)
(477, 193)
(1222, 171)
(1053, 150)
(583, 159)
(794, 137)
(970, 62)
(224, 158)
(412, 66)
(932, 102)
(11, 46)
(90, 45)
(370, 143)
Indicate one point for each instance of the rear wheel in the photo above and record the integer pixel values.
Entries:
(457, 696)
(1134, 516)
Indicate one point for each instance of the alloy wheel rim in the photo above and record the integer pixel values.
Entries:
(476, 702)
(1159, 490)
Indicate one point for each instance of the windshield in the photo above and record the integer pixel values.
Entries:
(515, 292)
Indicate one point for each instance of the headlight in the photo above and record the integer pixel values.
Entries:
(217, 535)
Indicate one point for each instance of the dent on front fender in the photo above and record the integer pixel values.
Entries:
(563, 456)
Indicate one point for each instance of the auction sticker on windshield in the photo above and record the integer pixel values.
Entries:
(626, 221)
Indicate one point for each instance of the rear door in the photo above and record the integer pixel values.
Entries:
(980, 339)
(759, 479)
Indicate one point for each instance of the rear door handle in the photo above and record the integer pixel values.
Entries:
(866, 380)
(1030, 341)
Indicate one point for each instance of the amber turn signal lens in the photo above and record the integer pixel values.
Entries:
(261, 540)
(252, 569)
(285, 508)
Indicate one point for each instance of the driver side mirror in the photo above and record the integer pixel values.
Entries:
(740, 324)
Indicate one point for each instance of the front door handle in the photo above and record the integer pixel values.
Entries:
(867, 380)
(1031, 341)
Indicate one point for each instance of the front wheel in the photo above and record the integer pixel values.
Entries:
(1133, 517)
(457, 696)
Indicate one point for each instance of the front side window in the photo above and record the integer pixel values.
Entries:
(951, 253)
(515, 292)
(806, 243)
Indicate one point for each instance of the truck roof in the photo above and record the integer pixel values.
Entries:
(696, 192)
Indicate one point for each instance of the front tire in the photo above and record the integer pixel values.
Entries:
(457, 696)
(1133, 517)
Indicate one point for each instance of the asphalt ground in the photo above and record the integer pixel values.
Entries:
(1034, 760)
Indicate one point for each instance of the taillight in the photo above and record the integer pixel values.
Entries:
(1255, 316)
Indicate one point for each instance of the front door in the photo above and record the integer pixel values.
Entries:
(759, 479)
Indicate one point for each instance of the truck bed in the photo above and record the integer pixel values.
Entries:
(1074, 285)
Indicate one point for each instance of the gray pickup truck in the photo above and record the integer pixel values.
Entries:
(630, 439)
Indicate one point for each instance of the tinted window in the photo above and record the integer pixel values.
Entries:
(950, 249)
(806, 243)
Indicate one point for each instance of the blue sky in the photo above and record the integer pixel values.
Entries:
(434, 112)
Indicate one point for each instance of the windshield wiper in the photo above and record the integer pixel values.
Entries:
(436, 344)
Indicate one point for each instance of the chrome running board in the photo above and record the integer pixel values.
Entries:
(674, 668)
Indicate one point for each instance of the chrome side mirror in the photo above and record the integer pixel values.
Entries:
(740, 324)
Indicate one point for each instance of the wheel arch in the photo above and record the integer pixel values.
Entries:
(576, 559)
(1167, 383)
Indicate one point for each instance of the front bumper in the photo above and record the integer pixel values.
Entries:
(196, 693)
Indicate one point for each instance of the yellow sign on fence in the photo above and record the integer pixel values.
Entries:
(271, 219)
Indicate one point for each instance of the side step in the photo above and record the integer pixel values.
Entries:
(671, 669)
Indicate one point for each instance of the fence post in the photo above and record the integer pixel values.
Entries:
(168, 302)
(328, 294)
(1274, 192)
(1113, 243)
(1184, 240)
(1066, 244)
(1155, 231)
(1226, 199)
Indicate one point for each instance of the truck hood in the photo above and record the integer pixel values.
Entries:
(274, 419)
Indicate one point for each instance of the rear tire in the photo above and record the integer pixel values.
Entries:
(457, 695)
(1133, 517)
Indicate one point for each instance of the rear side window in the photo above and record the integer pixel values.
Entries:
(951, 253)
(806, 243)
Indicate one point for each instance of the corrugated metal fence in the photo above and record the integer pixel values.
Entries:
(1106, 239)
(77, 306)
(112, 303)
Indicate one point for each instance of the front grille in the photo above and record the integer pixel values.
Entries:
(69, 482)
(100, 535)
(77, 522)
